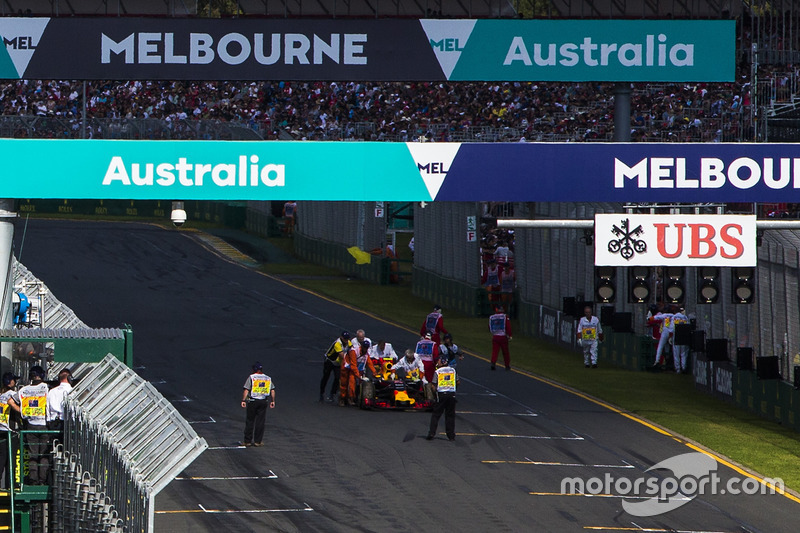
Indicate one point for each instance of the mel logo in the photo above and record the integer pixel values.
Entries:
(20, 40)
(448, 38)
(433, 161)
(23, 42)
(437, 167)
(447, 45)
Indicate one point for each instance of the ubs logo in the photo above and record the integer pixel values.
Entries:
(627, 242)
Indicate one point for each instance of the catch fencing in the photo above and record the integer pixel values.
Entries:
(123, 443)
(345, 223)
(441, 240)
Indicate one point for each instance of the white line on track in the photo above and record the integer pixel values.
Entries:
(182, 399)
(237, 447)
(236, 511)
(271, 475)
(554, 463)
(294, 308)
(621, 496)
(159, 382)
(209, 421)
(495, 414)
(648, 529)
(536, 437)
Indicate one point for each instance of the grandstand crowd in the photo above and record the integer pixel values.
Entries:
(391, 111)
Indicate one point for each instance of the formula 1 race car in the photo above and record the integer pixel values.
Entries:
(389, 391)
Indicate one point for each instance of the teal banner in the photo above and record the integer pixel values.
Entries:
(586, 50)
(208, 170)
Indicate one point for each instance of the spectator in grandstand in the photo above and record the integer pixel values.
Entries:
(503, 112)
(500, 328)
(332, 363)
(258, 395)
(445, 381)
(433, 325)
(450, 350)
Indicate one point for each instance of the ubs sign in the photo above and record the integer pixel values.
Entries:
(679, 240)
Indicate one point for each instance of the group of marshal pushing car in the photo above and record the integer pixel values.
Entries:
(371, 375)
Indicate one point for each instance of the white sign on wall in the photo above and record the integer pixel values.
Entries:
(674, 240)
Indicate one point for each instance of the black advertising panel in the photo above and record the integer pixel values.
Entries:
(228, 49)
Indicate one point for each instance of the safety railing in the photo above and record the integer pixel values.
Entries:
(123, 443)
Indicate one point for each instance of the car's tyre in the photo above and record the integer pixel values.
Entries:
(366, 394)
(429, 394)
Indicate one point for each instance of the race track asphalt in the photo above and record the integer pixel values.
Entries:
(200, 320)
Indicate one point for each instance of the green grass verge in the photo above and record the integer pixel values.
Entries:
(669, 400)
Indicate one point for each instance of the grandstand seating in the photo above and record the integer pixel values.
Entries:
(392, 111)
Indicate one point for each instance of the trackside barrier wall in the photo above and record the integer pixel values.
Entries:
(231, 213)
(626, 350)
(447, 268)
(448, 293)
(260, 220)
(772, 399)
(123, 443)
